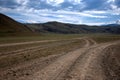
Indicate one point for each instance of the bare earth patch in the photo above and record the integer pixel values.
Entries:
(76, 59)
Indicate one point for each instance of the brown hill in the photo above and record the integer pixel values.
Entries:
(66, 28)
(10, 26)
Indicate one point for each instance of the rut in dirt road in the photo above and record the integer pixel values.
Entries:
(27, 68)
(21, 43)
(31, 42)
(82, 64)
(89, 62)
(57, 69)
(90, 66)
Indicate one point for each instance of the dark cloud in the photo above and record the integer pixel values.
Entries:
(42, 4)
(117, 2)
(95, 4)
(84, 5)
(70, 6)
(66, 4)
(8, 4)
(99, 11)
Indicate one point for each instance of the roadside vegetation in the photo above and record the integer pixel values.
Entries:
(4, 40)
(58, 47)
(105, 38)
(96, 37)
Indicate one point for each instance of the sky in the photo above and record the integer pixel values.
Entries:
(90, 12)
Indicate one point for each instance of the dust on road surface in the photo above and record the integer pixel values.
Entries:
(85, 63)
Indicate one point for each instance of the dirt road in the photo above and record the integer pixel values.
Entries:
(85, 63)
(31, 42)
(21, 43)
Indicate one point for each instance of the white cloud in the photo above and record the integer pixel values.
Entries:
(54, 2)
(67, 14)
(22, 2)
(115, 10)
(98, 23)
(80, 14)
(95, 12)
(111, 1)
(75, 1)
(61, 16)
(34, 15)
(2, 9)
(47, 12)
(113, 6)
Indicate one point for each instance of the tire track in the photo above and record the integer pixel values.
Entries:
(88, 66)
(111, 62)
(60, 66)
(31, 42)
(21, 43)
(32, 49)
(23, 69)
(82, 64)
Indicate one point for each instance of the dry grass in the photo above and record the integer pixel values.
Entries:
(7, 49)
(4, 40)
(111, 61)
(106, 38)
(54, 48)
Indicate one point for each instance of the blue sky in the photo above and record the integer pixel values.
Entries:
(91, 12)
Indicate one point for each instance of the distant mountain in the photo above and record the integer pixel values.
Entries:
(65, 28)
(112, 25)
(10, 26)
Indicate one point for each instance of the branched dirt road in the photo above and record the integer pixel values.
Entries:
(86, 63)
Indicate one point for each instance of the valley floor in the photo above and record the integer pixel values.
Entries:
(68, 59)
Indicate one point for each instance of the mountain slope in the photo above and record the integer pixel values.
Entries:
(8, 25)
(57, 27)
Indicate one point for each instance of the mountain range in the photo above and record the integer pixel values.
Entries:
(112, 25)
(65, 28)
(10, 26)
